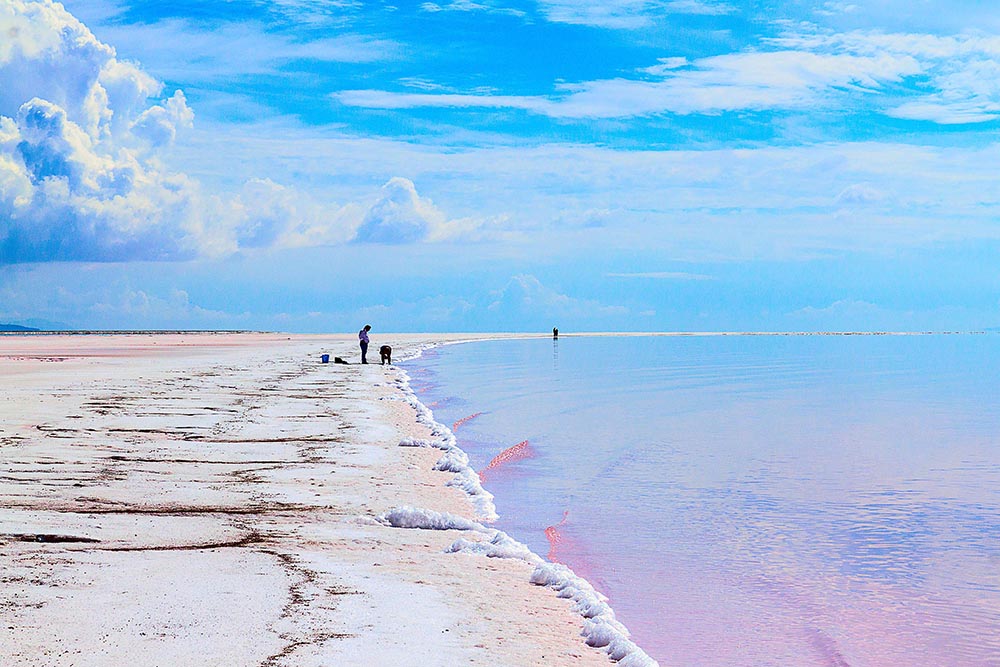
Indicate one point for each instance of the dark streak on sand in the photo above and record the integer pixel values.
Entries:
(114, 450)
(243, 462)
(277, 509)
(48, 538)
(241, 543)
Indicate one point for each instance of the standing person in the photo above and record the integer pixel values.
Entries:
(363, 338)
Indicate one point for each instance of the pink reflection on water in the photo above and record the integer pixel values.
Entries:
(464, 420)
(689, 612)
(798, 523)
(561, 542)
(556, 538)
(518, 452)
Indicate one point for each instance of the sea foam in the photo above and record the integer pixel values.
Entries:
(600, 627)
(454, 460)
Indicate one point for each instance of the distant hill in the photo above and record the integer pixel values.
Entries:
(31, 324)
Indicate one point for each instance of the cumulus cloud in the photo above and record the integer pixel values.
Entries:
(273, 215)
(847, 315)
(79, 131)
(83, 137)
(399, 215)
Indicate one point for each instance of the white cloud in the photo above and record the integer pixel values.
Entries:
(525, 294)
(625, 14)
(664, 66)
(274, 216)
(689, 204)
(861, 194)
(962, 71)
(468, 6)
(399, 215)
(83, 141)
(188, 51)
(768, 80)
(381, 99)
(849, 315)
(699, 7)
(79, 175)
(959, 80)
(663, 275)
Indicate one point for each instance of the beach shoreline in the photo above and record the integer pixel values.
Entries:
(200, 490)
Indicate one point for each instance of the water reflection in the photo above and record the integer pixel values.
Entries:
(810, 501)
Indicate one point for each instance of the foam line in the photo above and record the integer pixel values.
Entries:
(454, 459)
(600, 627)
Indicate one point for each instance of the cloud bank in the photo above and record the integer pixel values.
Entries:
(80, 133)
(946, 80)
(83, 141)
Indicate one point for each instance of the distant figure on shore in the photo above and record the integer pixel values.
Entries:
(386, 352)
(363, 339)
(555, 332)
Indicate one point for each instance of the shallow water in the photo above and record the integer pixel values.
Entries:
(756, 500)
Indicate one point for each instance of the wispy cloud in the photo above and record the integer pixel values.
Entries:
(662, 275)
(182, 50)
(961, 74)
(941, 79)
(525, 295)
(745, 81)
(625, 14)
(468, 6)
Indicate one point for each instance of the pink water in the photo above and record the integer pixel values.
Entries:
(752, 501)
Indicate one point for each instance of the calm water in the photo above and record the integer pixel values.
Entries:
(788, 501)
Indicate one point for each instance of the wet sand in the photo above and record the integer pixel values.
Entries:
(211, 499)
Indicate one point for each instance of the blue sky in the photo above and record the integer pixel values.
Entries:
(641, 164)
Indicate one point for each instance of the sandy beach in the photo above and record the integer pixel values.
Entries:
(221, 499)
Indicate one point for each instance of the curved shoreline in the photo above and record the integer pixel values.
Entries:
(601, 629)
(220, 498)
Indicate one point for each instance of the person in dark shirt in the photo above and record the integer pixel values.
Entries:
(363, 339)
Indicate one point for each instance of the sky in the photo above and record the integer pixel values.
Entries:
(649, 165)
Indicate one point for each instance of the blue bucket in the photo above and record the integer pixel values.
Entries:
(324, 358)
